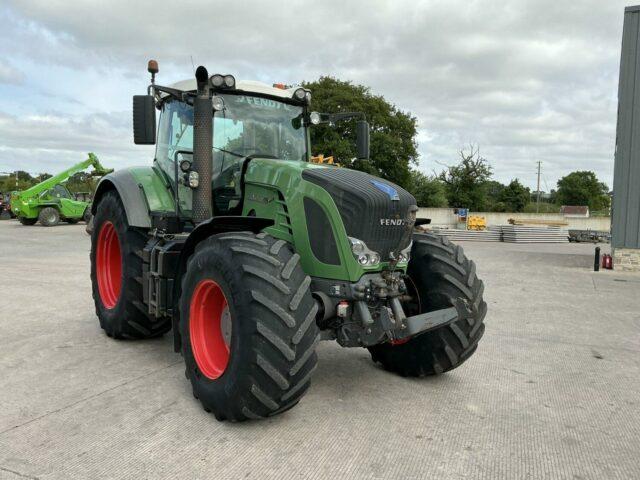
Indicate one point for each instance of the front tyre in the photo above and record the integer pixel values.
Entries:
(247, 322)
(116, 274)
(27, 221)
(49, 217)
(439, 274)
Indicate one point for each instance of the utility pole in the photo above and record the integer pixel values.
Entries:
(538, 191)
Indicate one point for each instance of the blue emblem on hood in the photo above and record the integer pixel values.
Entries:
(388, 189)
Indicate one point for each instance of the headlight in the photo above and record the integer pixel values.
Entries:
(405, 255)
(185, 165)
(300, 94)
(194, 179)
(357, 246)
(216, 80)
(229, 81)
(362, 253)
(314, 118)
(218, 103)
(222, 81)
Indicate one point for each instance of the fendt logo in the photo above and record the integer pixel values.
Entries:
(393, 222)
(388, 189)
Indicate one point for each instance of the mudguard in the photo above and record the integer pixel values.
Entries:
(141, 189)
(222, 224)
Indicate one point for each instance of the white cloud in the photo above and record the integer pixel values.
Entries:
(528, 80)
(9, 74)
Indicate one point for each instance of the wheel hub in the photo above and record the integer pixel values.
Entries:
(109, 265)
(210, 328)
(225, 322)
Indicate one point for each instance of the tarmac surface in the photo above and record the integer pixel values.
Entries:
(552, 392)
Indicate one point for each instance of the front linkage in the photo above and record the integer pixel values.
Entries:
(370, 311)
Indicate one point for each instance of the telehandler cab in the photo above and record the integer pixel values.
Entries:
(252, 254)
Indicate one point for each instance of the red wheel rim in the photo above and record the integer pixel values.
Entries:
(210, 328)
(109, 265)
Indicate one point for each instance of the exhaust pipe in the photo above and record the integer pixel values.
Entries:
(202, 147)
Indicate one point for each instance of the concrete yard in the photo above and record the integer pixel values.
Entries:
(552, 392)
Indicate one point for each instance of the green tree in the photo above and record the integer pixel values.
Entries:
(81, 182)
(583, 188)
(25, 180)
(544, 207)
(465, 182)
(515, 196)
(393, 144)
(493, 190)
(429, 191)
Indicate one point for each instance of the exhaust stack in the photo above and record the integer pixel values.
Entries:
(202, 147)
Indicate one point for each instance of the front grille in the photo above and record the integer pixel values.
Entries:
(368, 212)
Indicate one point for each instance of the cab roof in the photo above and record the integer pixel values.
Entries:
(248, 86)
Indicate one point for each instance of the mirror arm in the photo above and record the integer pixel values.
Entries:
(181, 95)
(338, 117)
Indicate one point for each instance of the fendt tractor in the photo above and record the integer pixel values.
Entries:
(251, 253)
(50, 201)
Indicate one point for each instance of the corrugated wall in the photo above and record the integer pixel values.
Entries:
(626, 176)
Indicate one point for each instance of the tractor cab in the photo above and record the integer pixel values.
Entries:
(252, 120)
(56, 192)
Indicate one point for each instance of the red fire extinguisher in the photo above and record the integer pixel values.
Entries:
(607, 261)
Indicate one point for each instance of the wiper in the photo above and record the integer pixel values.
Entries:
(235, 154)
(240, 155)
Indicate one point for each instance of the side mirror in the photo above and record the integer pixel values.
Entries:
(144, 120)
(362, 140)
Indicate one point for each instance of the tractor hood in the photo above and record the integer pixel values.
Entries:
(373, 210)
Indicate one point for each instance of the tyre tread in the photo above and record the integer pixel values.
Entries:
(282, 318)
(450, 279)
(130, 318)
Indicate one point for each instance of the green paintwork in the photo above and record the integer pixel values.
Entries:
(271, 184)
(156, 187)
(273, 189)
(51, 193)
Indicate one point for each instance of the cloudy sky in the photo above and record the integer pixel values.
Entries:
(528, 81)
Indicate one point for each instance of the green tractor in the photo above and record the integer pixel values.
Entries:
(252, 254)
(50, 201)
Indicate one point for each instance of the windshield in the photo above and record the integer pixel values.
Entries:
(260, 126)
(247, 125)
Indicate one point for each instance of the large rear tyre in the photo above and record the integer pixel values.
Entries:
(247, 322)
(116, 274)
(27, 221)
(439, 273)
(49, 217)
